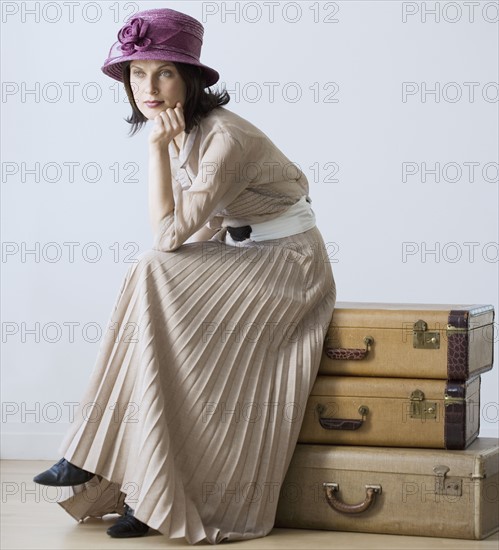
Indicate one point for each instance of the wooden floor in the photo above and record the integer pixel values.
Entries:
(30, 521)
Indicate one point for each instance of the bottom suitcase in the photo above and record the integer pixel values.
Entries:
(398, 491)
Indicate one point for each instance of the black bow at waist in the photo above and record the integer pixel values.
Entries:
(239, 233)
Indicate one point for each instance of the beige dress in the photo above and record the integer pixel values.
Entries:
(194, 406)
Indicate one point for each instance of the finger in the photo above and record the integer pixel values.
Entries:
(175, 119)
(178, 119)
(166, 115)
(180, 113)
(166, 122)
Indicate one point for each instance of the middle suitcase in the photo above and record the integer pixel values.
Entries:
(392, 412)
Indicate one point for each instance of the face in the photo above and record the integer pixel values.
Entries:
(156, 85)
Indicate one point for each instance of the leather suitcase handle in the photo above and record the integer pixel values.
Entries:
(350, 354)
(341, 423)
(342, 507)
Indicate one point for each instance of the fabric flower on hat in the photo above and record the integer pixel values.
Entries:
(133, 36)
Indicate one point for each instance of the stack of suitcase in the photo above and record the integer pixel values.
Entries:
(388, 442)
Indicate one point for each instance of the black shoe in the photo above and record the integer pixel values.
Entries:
(128, 526)
(63, 474)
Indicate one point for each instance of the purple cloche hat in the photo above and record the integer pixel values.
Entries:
(162, 34)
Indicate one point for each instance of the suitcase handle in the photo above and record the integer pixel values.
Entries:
(340, 506)
(350, 354)
(341, 423)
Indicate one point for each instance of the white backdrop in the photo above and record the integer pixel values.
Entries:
(390, 108)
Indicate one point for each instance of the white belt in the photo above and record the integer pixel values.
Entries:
(298, 218)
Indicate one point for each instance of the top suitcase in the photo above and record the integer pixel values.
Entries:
(452, 342)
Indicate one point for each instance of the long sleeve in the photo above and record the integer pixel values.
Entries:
(216, 184)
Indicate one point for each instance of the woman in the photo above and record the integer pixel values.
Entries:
(197, 397)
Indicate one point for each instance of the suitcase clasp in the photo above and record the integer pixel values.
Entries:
(420, 408)
(422, 339)
(447, 485)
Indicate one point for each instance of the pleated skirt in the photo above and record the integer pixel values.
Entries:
(198, 392)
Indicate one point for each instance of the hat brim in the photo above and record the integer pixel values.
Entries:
(114, 68)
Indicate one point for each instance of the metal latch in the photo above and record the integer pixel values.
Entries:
(448, 400)
(420, 408)
(451, 328)
(422, 339)
(451, 486)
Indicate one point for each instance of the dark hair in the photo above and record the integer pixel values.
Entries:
(198, 101)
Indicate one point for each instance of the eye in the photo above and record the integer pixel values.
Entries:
(166, 72)
(136, 72)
